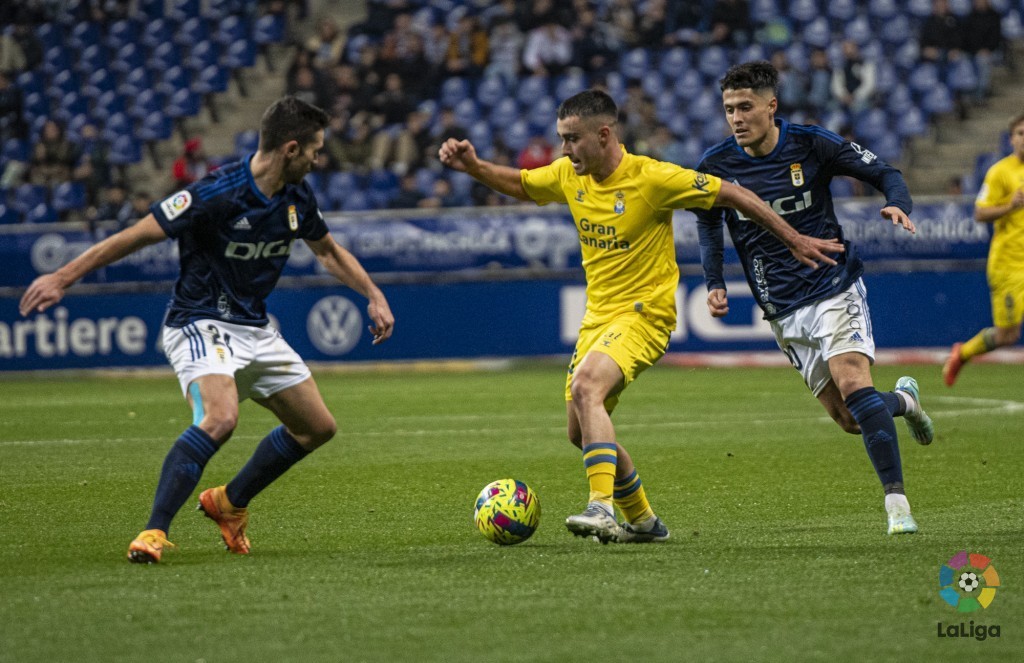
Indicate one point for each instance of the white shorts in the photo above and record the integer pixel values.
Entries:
(811, 335)
(258, 358)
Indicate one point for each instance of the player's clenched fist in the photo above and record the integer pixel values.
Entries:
(458, 154)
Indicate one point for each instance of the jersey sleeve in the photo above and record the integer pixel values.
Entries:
(544, 184)
(668, 186)
(846, 158)
(179, 211)
(993, 190)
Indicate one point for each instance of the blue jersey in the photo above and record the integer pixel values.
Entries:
(794, 180)
(234, 242)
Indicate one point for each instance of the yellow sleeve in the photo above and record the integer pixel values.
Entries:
(993, 190)
(668, 186)
(544, 184)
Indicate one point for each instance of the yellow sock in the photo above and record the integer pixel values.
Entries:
(631, 498)
(984, 341)
(599, 459)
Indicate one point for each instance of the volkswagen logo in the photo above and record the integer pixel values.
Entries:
(334, 325)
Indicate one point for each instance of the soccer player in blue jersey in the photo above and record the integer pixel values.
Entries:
(234, 229)
(622, 204)
(820, 317)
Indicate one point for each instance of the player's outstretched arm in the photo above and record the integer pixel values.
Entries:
(49, 289)
(996, 212)
(808, 250)
(460, 155)
(898, 218)
(343, 266)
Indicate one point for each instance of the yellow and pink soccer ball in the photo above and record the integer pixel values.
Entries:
(507, 512)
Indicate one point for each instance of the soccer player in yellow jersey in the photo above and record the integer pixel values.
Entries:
(622, 204)
(1001, 203)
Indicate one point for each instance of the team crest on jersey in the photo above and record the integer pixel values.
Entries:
(796, 174)
(620, 203)
(293, 218)
(579, 195)
(700, 182)
(176, 204)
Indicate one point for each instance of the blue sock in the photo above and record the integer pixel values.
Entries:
(275, 453)
(894, 403)
(180, 473)
(879, 430)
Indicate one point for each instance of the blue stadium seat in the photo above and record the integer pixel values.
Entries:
(246, 142)
(117, 125)
(184, 9)
(666, 107)
(146, 103)
(105, 105)
(652, 83)
(541, 114)
(960, 8)
(268, 29)
(693, 150)
(530, 89)
(26, 196)
(164, 56)
(714, 129)
(425, 178)
(454, 90)
(859, 31)
(504, 113)
(894, 30)
(68, 196)
(906, 54)
(898, 100)
(355, 201)
(381, 179)
(804, 11)
(339, 186)
(841, 11)
(763, 11)
(886, 76)
(84, 34)
(210, 79)
(571, 82)
(125, 150)
(870, 125)
(924, 78)
(713, 62)
(240, 54)
(481, 135)
(884, 10)
(706, 104)
(63, 82)
(467, 112)
(202, 55)
(35, 104)
(938, 101)
(8, 214)
(90, 58)
(679, 125)
(911, 123)
(888, 147)
(173, 80)
(517, 135)
(152, 9)
(72, 103)
(689, 85)
(50, 35)
(982, 163)
(817, 33)
(134, 82)
(30, 81)
(1013, 29)
(635, 63)
(490, 90)
(231, 29)
(74, 125)
(961, 75)
(194, 30)
(919, 8)
(121, 32)
(616, 85)
(129, 57)
(751, 53)
(157, 31)
(155, 126)
(41, 213)
(1005, 146)
(100, 81)
(841, 187)
(674, 62)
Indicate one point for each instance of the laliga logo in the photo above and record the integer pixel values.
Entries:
(334, 325)
(968, 582)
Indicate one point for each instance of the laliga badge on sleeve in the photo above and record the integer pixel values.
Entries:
(293, 218)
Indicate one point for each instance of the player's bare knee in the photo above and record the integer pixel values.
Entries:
(320, 434)
(219, 425)
(1007, 335)
(585, 391)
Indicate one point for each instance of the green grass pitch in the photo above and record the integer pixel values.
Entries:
(366, 550)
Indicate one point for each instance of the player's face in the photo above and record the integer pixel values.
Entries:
(751, 116)
(1017, 140)
(584, 142)
(301, 159)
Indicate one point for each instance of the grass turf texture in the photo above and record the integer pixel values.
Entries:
(366, 550)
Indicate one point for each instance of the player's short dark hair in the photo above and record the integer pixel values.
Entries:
(588, 104)
(758, 76)
(290, 118)
(1015, 120)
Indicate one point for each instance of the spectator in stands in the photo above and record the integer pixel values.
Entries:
(467, 48)
(621, 16)
(505, 51)
(409, 196)
(191, 164)
(12, 58)
(983, 41)
(327, 45)
(307, 85)
(366, 68)
(348, 93)
(53, 157)
(112, 206)
(940, 37)
(548, 50)
(447, 127)
(30, 45)
(541, 12)
(137, 209)
(664, 146)
(349, 146)
(819, 86)
(536, 153)
(435, 49)
(93, 167)
(12, 120)
(594, 43)
(853, 84)
(442, 195)
(392, 104)
(730, 23)
(792, 90)
(413, 147)
(650, 25)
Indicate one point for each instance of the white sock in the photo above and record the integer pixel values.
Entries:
(645, 525)
(896, 502)
(910, 405)
(604, 507)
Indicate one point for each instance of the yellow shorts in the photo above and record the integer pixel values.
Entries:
(631, 340)
(1007, 301)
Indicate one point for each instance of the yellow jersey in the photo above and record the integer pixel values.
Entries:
(1003, 179)
(625, 229)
